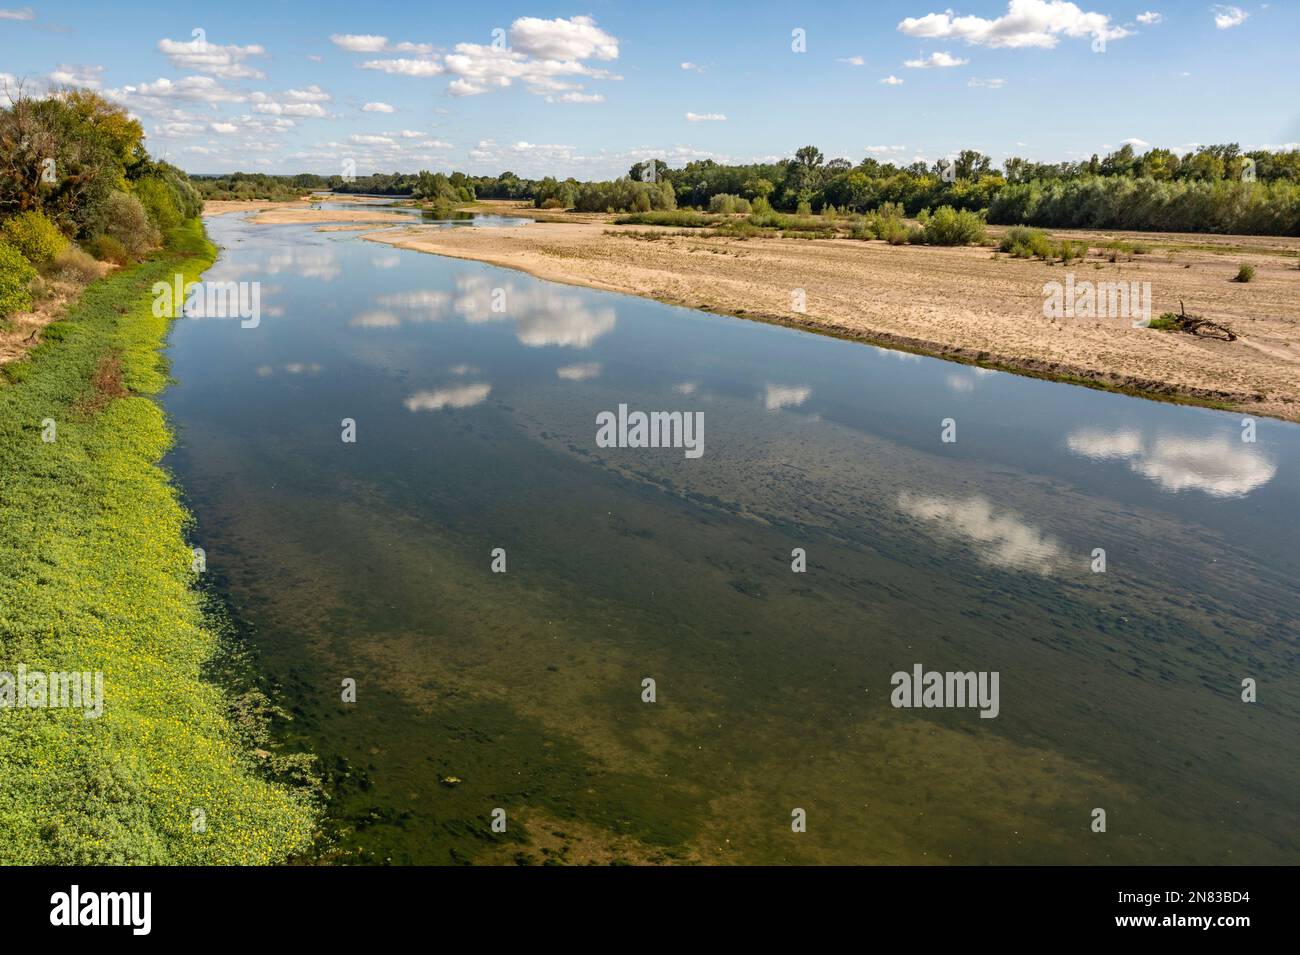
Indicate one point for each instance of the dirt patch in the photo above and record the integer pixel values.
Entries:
(105, 385)
(21, 332)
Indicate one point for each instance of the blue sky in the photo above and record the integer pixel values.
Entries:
(589, 87)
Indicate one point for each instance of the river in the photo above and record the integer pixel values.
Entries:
(474, 394)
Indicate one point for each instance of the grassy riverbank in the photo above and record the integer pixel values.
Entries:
(95, 575)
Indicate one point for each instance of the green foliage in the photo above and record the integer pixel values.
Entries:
(681, 218)
(158, 203)
(64, 155)
(1024, 243)
(1016, 241)
(728, 204)
(1205, 191)
(35, 236)
(1066, 250)
(1192, 205)
(16, 275)
(949, 226)
(95, 575)
(127, 221)
(1245, 274)
(108, 249)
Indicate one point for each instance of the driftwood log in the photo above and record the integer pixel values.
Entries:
(1202, 327)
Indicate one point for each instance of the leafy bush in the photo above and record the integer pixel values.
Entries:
(74, 264)
(683, 218)
(947, 226)
(16, 275)
(158, 203)
(108, 249)
(1245, 274)
(35, 236)
(1016, 241)
(723, 203)
(128, 223)
(1067, 250)
(894, 231)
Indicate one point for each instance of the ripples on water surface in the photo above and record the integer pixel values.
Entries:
(522, 690)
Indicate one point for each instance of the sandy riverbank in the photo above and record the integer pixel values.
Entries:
(967, 304)
(298, 211)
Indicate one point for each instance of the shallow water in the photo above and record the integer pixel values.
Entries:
(476, 429)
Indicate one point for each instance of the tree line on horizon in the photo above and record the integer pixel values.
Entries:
(1216, 188)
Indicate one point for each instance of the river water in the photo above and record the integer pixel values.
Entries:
(474, 393)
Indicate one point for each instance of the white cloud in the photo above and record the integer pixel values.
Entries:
(576, 98)
(212, 58)
(1003, 539)
(460, 396)
(882, 150)
(852, 60)
(542, 53)
(403, 66)
(1027, 23)
(574, 39)
(311, 94)
(706, 117)
(359, 42)
(892, 80)
(26, 13)
(179, 129)
(936, 60)
(202, 89)
(1135, 143)
(580, 372)
(1226, 17)
(1218, 467)
(224, 128)
(377, 108)
(262, 103)
(86, 76)
(987, 84)
(693, 67)
(1150, 18)
(776, 397)
(366, 140)
(375, 319)
(369, 43)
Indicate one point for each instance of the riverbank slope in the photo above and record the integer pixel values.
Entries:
(96, 577)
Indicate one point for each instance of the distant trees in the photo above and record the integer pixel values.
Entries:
(1215, 188)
